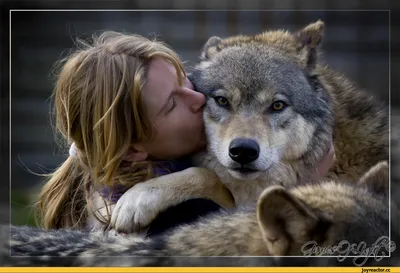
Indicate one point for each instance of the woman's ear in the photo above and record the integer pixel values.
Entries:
(136, 153)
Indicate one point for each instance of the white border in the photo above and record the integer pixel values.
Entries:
(182, 10)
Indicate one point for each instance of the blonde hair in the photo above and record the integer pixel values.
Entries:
(97, 105)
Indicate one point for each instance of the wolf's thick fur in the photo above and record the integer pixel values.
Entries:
(246, 80)
(322, 214)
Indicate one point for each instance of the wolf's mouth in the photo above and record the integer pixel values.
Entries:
(245, 170)
(243, 173)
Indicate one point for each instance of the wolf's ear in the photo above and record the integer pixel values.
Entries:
(284, 220)
(210, 48)
(309, 39)
(377, 178)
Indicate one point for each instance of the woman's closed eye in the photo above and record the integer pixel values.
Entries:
(172, 105)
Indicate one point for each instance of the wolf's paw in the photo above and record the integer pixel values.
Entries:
(136, 209)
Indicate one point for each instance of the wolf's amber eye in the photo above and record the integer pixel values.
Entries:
(278, 105)
(222, 101)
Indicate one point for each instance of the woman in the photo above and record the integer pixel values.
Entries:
(125, 103)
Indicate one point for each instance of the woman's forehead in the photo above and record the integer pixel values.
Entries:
(161, 82)
(160, 65)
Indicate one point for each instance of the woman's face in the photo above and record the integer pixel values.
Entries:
(176, 112)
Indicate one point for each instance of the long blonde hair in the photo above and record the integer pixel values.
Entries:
(98, 106)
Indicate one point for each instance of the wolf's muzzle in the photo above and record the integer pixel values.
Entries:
(244, 150)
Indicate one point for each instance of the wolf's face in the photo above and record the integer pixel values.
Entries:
(265, 104)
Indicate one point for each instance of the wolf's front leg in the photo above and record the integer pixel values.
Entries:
(140, 205)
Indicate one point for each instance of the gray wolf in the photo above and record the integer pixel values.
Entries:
(323, 213)
(273, 110)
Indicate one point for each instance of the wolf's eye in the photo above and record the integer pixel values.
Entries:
(222, 101)
(278, 105)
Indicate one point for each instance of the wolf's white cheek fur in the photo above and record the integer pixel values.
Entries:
(217, 146)
(299, 138)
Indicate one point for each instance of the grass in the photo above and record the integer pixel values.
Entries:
(22, 208)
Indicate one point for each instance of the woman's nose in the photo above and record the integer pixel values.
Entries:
(196, 99)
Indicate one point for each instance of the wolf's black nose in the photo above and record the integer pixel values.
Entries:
(244, 150)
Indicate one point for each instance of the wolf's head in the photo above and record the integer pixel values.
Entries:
(266, 103)
(309, 219)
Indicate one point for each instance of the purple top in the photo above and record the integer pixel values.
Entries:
(115, 192)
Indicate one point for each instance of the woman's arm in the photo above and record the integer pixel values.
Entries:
(140, 205)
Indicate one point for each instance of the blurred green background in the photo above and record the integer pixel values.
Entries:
(22, 207)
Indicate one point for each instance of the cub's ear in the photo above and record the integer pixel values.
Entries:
(309, 38)
(377, 178)
(286, 223)
(210, 48)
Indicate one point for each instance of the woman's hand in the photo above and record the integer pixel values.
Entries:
(326, 163)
